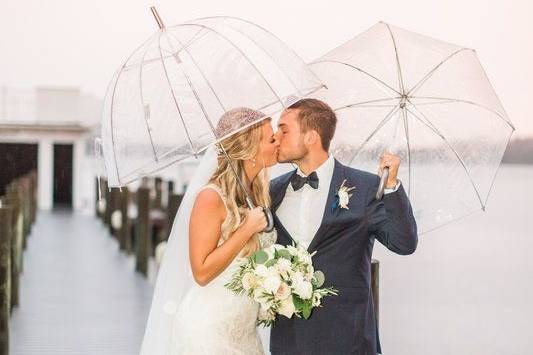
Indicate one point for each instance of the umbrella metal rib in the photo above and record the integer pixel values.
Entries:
(173, 94)
(448, 100)
(360, 70)
(432, 127)
(432, 71)
(143, 105)
(206, 116)
(230, 162)
(243, 55)
(112, 129)
(399, 68)
(268, 54)
(201, 73)
(364, 103)
(378, 127)
(406, 127)
(263, 29)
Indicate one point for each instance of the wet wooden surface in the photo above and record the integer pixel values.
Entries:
(78, 294)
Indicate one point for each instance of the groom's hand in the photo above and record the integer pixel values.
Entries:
(393, 163)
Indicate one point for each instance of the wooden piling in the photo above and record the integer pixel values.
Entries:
(33, 194)
(124, 228)
(15, 192)
(108, 211)
(13, 200)
(5, 275)
(375, 288)
(158, 199)
(24, 185)
(96, 197)
(143, 247)
(114, 205)
(174, 201)
(103, 191)
(170, 188)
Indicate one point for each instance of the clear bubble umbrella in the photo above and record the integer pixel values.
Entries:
(165, 101)
(428, 101)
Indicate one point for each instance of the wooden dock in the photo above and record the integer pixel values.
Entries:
(78, 293)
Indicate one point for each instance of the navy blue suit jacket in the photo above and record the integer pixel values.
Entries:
(346, 323)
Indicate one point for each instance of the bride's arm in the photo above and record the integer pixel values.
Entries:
(208, 214)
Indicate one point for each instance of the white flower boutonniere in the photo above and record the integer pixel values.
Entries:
(343, 196)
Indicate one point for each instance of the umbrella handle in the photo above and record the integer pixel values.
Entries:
(382, 182)
(268, 215)
(270, 220)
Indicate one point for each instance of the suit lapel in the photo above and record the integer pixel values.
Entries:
(329, 214)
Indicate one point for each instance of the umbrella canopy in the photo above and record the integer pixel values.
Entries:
(428, 101)
(165, 101)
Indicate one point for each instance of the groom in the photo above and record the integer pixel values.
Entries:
(307, 210)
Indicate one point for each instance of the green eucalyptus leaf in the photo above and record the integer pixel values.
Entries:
(260, 257)
(284, 254)
(270, 263)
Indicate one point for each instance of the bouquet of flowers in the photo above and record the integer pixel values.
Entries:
(282, 280)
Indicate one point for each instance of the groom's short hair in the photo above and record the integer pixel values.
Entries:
(317, 115)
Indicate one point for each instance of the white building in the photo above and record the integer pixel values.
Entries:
(52, 129)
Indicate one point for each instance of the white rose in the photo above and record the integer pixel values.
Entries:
(248, 281)
(273, 271)
(284, 266)
(292, 250)
(296, 277)
(304, 289)
(271, 284)
(310, 272)
(283, 292)
(287, 308)
(304, 256)
(260, 298)
(261, 270)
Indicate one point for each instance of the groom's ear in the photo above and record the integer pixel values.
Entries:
(311, 137)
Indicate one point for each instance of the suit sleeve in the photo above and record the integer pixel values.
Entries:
(391, 220)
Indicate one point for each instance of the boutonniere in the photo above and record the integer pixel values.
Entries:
(342, 197)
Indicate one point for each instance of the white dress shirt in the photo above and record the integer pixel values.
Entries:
(301, 211)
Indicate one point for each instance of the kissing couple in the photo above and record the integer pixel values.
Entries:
(194, 313)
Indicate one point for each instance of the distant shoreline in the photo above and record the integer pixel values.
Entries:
(513, 163)
(519, 151)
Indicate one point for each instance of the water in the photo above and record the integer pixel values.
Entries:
(468, 288)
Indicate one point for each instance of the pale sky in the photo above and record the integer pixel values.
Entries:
(81, 43)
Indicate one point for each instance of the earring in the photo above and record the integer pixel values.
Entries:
(253, 162)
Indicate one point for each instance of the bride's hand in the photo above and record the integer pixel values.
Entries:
(255, 220)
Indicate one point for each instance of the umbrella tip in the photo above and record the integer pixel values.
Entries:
(157, 18)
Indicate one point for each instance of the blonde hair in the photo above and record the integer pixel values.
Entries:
(240, 147)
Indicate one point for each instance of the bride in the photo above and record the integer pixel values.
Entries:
(192, 312)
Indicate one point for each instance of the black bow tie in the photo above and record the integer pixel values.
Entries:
(298, 181)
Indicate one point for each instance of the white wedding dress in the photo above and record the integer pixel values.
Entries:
(213, 320)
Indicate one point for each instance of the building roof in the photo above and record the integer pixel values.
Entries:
(48, 108)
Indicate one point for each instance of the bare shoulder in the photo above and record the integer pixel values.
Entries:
(208, 201)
